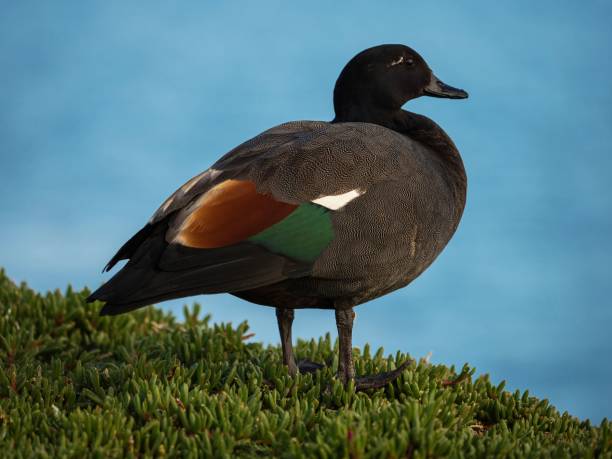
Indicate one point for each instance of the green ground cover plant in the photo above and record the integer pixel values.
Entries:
(73, 384)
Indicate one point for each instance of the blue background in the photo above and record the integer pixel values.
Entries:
(106, 108)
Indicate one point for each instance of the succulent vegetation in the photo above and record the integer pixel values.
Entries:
(73, 384)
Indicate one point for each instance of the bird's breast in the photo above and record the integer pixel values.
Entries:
(389, 235)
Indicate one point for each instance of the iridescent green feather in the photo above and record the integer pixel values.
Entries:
(302, 235)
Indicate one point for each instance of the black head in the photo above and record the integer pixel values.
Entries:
(384, 78)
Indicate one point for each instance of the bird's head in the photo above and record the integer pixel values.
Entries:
(385, 77)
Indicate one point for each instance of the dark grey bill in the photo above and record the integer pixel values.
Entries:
(436, 88)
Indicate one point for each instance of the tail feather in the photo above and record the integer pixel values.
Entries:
(130, 247)
(159, 271)
(160, 286)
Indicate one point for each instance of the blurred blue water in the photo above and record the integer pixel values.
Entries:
(106, 109)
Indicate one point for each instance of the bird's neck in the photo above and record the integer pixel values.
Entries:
(421, 129)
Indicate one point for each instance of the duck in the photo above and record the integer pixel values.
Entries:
(311, 214)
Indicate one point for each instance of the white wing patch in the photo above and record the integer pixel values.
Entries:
(338, 201)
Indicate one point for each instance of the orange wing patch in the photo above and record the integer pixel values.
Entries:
(229, 213)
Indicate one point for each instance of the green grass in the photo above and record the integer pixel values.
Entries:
(73, 384)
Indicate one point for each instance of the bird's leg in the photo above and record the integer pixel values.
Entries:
(344, 322)
(346, 367)
(285, 320)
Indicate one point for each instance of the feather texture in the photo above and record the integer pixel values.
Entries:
(408, 207)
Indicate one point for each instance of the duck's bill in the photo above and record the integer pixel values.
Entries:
(436, 88)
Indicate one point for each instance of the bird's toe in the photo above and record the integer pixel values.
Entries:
(381, 379)
(307, 366)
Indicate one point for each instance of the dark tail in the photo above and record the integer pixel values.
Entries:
(129, 248)
(158, 271)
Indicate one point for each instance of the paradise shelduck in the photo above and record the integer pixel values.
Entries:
(311, 214)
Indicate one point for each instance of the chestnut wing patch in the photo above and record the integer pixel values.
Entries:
(230, 213)
(234, 212)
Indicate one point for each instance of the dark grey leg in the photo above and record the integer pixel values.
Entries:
(285, 320)
(346, 367)
(344, 322)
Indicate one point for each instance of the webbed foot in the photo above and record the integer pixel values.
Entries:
(307, 366)
(381, 379)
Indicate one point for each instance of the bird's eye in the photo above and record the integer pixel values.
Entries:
(409, 61)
